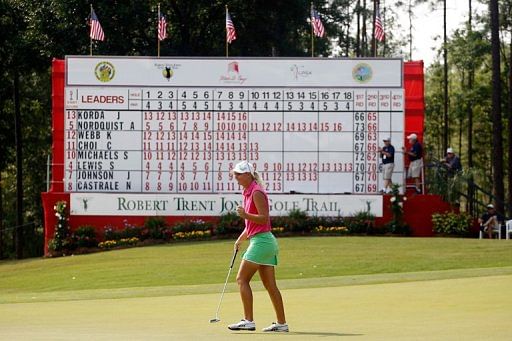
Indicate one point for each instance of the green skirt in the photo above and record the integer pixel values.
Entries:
(263, 249)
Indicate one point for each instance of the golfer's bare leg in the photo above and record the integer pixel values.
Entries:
(245, 273)
(268, 277)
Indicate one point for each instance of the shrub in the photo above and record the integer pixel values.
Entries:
(111, 233)
(131, 231)
(397, 224)
(192, 235)
(361, 222)
(278, 230)
(331, 230)
(84, 236)
(109, 244)
(191, 225)
(395, 228)
(326, 221)
(60, 239)
(451, 223)
(155, 227)
(296, 221)
(230, 223)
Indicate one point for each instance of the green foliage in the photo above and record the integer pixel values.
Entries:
(361, 222)
(60, 242)
(451, 223)
(297, 221)
(449, 186)
(229, 223)
(111, 233)
(331, 230)
(110, 244)
(191, 225)
(84, 236)
(156, 227)
(397, 224)
(192, 235)
(131, 231)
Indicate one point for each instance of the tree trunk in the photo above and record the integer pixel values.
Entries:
(18, 230)
(364, 40)
(358, 35)
(497, 138)
(471, 76)
(445, 83)
(374, 43)
(510, 127)
(383, 13)
(410, 29)
(347, 36)
(1, 219)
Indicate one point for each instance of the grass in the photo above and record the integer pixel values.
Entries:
(205, 263)
(359, 287)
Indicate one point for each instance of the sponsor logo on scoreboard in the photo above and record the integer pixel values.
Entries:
(167, 70)
(104, 71)
(362, 73)
(233, 75)
(300, 71)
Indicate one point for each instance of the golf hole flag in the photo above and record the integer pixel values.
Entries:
(96, 30)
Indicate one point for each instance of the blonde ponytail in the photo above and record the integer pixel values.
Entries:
(257, 178)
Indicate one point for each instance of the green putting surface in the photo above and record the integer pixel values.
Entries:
(471, 308)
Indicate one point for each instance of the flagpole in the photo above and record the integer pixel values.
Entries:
(374, 41)
(227, 48)
(312, 32)
(90, 38)
(157, 28)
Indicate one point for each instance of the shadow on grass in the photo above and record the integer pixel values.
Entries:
(319, 334)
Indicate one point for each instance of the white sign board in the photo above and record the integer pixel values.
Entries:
(179, 125)
(101, 204)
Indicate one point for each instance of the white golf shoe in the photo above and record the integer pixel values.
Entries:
(243, 325)
(276, 327)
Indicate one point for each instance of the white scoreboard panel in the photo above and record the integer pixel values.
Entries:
(147, 125)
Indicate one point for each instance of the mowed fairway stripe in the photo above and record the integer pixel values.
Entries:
(452, 309)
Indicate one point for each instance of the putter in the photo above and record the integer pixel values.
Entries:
(217, 319)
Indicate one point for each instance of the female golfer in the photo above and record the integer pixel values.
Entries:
(262, 252)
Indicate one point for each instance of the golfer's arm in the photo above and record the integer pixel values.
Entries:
(242, 237)
(262, 208)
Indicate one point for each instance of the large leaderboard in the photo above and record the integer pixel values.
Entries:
(146, 125)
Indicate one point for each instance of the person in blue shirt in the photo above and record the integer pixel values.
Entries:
(415, 155)
(452, 162)
(387, 154)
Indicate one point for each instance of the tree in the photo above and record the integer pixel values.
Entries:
(497, 138)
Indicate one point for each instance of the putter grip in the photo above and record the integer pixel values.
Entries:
(233, 259)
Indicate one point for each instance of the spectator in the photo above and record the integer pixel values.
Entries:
(416, 161)
(452, 162)
(387, 153)
(490, 220)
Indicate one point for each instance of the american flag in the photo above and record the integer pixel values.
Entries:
(379, 29)
(162, 28)
(318, 27)
(230, 29)
(96, 30)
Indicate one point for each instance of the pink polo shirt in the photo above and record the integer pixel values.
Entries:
(251, 227)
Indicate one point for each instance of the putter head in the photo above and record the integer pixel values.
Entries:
(214, 320)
